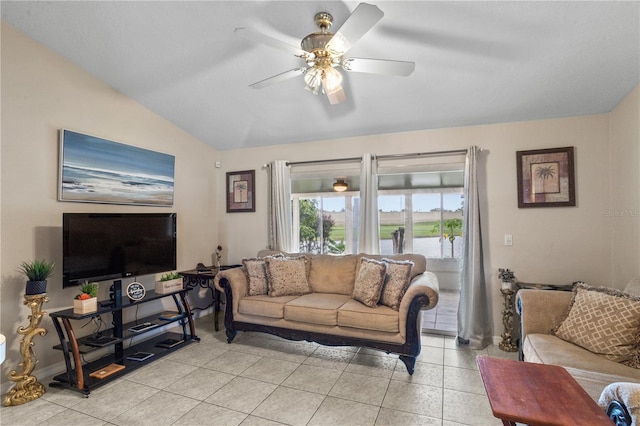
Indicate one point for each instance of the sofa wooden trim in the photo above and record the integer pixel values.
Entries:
(408, 352)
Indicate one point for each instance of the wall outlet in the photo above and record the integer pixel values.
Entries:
(508, 239)
(218, 165)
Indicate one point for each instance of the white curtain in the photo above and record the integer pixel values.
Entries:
(280, 221)
(369, 239)
(474, 310)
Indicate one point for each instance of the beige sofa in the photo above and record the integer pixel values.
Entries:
(329, 315)
(540, 312)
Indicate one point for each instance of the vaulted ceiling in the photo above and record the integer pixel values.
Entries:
(476, 62)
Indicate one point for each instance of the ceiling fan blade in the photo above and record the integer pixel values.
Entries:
(257, 37)
(332, 87)
(278, 78)
(379, 66)
(336, 96)
(358, 24)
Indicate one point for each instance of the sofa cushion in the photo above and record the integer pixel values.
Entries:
(355, 314)
(333, 274)
(604, 321)
(315, 308)
(287, 276)
(396, 281)
(594, 382)
(264, 306)
(548, 349)
(368, 285)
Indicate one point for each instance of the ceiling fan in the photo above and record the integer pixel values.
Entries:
(323, 51)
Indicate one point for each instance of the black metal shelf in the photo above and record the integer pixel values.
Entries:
(77, 375)
(62, 379)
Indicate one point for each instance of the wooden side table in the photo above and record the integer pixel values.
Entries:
(204, 279)
(537, 394)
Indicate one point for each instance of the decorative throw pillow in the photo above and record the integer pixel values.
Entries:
(369, 281)
(287, 276)
(604, 321)
(254, 270)
(256, 273)
(396, 282)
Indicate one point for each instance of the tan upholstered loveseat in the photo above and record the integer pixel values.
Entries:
(543, 310)
(329, 314)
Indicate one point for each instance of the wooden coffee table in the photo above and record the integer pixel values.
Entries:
(537, 394)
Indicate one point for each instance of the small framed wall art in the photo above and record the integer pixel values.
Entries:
(546, 178)
(241, 196)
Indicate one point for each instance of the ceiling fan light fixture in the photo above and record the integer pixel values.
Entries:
(313, 79)
(331, 80)
(322, 51)
(340, 185)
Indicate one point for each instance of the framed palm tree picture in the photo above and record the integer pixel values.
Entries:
(546, 178)
(241, 196)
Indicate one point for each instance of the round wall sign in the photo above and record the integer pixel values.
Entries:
(135, 291)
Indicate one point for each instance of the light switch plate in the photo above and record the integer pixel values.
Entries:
(508, 239)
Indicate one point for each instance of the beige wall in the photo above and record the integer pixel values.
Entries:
(624, 208)
(41, 93)
(551, 245)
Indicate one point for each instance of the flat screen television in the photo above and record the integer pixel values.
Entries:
(104, 246)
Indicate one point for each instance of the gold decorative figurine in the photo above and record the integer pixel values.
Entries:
(507, 343)
(508, 290)
(27, 387)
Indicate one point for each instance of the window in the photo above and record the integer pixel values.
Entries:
(421, 221)
(324, 223)
(323, 220)
(421, 201)
(420, 208)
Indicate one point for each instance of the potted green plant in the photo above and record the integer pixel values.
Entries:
(169, 283)
(37, 272)
(87, 300)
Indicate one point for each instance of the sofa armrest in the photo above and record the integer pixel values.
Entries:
(627, 397)
(541, 310)
(236, 278)
(425, 284)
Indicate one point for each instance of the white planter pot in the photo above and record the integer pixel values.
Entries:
(163, 287)
(85, 306)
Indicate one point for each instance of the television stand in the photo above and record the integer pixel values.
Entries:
(81, 376)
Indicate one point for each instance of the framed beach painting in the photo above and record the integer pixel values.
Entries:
(546, 178)
(96, 170)
(241, 196)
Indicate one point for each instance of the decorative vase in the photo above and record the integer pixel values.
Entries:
(35, 287)
(85, 306)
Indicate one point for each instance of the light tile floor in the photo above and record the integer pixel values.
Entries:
(263, 380)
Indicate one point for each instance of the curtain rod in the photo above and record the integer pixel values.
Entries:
(335, 160)
(379, 157)
(421, 154)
